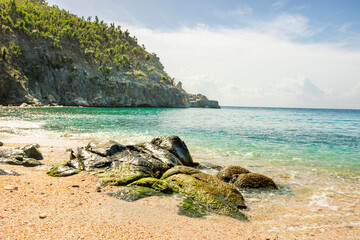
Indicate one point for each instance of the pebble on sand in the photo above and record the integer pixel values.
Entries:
(42, 215)
(11, 187)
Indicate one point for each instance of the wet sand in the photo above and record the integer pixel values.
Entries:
(310, 205)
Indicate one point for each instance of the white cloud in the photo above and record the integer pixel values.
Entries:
(243, 67)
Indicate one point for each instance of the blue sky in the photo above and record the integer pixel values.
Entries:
(286, 53)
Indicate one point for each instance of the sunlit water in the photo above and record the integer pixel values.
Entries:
(328, 139)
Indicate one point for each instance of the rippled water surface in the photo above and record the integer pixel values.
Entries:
(320, 138)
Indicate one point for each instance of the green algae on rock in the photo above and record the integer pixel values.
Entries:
(190, 209)
(153, 183)
(62, 170)
(214, 194)
(123, 175)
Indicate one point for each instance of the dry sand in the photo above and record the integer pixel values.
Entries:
(80, 212)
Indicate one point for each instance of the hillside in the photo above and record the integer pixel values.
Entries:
(49, 56)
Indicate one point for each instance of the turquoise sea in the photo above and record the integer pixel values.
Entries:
(315, 138)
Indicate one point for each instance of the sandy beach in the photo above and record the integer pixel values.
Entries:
(75, 210)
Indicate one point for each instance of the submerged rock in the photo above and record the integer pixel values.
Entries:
(62, 170)
(255, 181)
(209, 191)
(230, 173)
(8, 172)
(176, 146)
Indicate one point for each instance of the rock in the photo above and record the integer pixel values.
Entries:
(8, 172)
(209, 165)
(62, 170)
(42, 215)
(176, 146)
(105, 149)
(123, 175)
(1, 144)
(255, 181)
(201, 101)
(209, 191)
(134, 193)
(30, 162)
(12, 153)
(11, 187)
(230, 173)
(190, 209)
(153, 183)
(82, 159)
(32, 151)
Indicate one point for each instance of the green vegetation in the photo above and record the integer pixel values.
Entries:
(104, 44)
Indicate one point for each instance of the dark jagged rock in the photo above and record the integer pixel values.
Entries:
(123, 175)
(255, 181)
(32, 151)
(62, 170)
(105, 149)
(207, 190)
(8, 172)
(174, 145)
(1, 144)
(230, 173)
(82, 159)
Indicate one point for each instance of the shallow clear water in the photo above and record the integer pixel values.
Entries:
(326, 139)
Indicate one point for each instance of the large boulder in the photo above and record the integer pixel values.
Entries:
(176, 146)
(230, 173)
(255, 181)
(209, 191)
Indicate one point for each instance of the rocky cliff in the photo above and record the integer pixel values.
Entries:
(49, 57)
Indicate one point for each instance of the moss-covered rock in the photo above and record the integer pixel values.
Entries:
(209, 191)
(230, 173)
(190, 209)
(255, 181)
(134, 193)
(153, 183)
(62, 170)
(123, 175)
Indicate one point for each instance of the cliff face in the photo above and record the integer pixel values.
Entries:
(44, 75)
(49, 56)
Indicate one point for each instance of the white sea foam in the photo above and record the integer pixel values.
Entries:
(321, 200)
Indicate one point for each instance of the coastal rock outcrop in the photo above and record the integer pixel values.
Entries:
(162, 166)
(230, 173)
(201, 101)
(27, 156)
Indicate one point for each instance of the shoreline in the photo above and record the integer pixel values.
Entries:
(296, 212)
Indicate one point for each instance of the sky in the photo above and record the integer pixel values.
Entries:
(261, 53)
